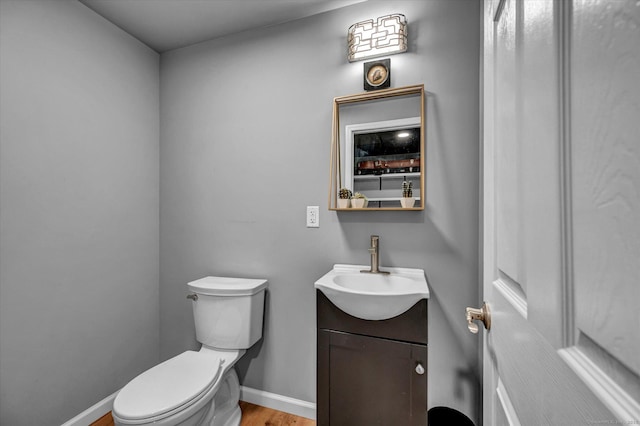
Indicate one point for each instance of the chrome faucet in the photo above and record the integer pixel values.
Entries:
(375, 256)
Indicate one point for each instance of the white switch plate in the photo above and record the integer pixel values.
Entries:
(313, 217)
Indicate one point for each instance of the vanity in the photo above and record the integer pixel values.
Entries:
(372, 347)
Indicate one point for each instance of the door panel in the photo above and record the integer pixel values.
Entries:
(561, 209)
(540, 143)
(508, 152)
(606, 177)
(541, 387)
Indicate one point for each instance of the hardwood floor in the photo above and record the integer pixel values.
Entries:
(105, 420)
(255, 415)
(252, 415)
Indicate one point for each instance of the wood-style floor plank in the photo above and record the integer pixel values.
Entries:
(252, 415)
(255, 415)
(105, 420)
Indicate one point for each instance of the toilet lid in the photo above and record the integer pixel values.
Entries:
(168, 386)
(225, 286)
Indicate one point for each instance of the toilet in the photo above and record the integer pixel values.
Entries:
(200, 387)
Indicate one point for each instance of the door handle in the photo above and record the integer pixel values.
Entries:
(483, 314)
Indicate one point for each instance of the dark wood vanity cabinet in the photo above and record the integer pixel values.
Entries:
(366, 371)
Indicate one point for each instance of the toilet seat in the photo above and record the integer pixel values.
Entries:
(169, 387)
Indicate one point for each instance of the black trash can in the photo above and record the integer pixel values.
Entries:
(445, 416)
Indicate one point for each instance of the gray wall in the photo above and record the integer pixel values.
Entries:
(245, 132)
(79, 210)
(244, 148)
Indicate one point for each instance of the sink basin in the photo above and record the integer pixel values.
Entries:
(373, 296)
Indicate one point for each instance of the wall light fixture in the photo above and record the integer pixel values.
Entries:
(386, 35)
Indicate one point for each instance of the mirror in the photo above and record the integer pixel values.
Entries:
(378, 150)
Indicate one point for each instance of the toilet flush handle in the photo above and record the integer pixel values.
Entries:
(193, 297)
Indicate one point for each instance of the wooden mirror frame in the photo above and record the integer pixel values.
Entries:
(335, 166)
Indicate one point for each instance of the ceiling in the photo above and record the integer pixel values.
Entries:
(169, 24)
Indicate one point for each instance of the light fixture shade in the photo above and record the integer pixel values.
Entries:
(384, 36)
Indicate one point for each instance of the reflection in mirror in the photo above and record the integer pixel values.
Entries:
(378, 143)
(380, 156)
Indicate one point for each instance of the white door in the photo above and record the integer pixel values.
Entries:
(561, 212)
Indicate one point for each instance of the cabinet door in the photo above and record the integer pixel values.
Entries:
(365, 381)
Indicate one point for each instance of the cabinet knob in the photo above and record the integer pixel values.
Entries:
(419, 369)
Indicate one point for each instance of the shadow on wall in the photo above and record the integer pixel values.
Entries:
(467, 379)
(251, 359)
(454, 381)
(418, 243)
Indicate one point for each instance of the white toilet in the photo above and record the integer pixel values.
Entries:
(200, 388)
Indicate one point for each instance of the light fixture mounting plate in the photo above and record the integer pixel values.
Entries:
(377, 74)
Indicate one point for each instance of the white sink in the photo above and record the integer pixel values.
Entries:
(373, 296)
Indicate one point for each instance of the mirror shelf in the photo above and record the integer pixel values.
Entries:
(377, 143)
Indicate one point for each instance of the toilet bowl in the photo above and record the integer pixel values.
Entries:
(200, 387)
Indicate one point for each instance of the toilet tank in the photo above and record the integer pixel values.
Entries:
(228, 312)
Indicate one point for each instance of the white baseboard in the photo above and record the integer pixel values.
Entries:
(294, 406)
(93, 413)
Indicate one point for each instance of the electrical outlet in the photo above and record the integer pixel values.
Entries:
(313, 217)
